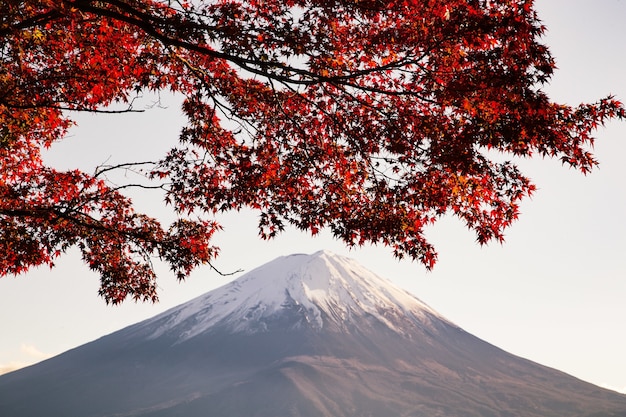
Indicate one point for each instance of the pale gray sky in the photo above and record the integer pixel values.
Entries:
(553, 293)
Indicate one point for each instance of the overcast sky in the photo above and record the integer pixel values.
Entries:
(553, 293)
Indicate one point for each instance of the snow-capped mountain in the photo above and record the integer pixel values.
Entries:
(323, 289)
(307, 336)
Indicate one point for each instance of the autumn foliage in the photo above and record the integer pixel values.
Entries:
(371, 118)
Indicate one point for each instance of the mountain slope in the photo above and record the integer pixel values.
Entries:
(304, 335)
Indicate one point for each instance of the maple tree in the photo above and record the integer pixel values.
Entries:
(371, 118)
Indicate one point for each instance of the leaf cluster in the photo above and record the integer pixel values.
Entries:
(371, 118)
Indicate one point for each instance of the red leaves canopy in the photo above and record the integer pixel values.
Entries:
(371, 118)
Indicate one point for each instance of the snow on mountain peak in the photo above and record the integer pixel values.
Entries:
(326, 288)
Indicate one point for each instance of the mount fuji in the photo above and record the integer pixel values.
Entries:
(301, 336)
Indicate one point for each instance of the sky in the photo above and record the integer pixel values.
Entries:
(553, 292)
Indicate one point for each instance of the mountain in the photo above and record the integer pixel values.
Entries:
(302, 336)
